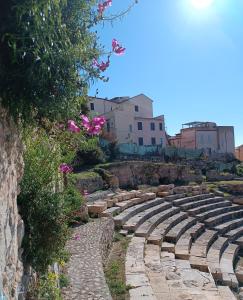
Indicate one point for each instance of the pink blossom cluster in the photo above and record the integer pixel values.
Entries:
(117, 49)
(103, 65)
(102, 6)
(73, 127)
(94, 126)
(65, 168)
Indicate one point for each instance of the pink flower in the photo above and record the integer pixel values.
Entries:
(103, 6)
(85, 193)
(77, 237)
(103, 65)
(117, 48)
(64, 168)
(94, 126)
(72, 126)
(99, 120)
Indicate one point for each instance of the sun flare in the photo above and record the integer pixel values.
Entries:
(202, 4)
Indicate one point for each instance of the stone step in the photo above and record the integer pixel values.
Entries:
(208, 207)
(215, 212)
(183, 245)
(131, 202)
(110, 212)
(132, 224)
(225, 293)
(156, 237)
(175, 233)
(135, 271)
(132, 211)
(214, 255)
(214, 221)
(227, 266)
(234, 234)
(148, 226)
(229, 226)
(199, 249)
(198, 203)
(239, 242)
(185, 200)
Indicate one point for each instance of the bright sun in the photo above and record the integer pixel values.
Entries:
(202, 4)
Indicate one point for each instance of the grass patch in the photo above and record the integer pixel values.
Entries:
(115, 268)
(85, 175)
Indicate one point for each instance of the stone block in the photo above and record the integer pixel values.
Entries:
(163, 194)
(97, 207)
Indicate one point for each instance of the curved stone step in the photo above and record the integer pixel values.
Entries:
(208, 207)
(199, 250)
(175, 233)
(223, 218)
(185, 200)
(214, 255)
(183, 245)
(131, 202)
(226, 227)
(198, 203)
(148, 226)
(132, 211)
(218, 211)
(156, 236)
(132, 224)
(227, 266)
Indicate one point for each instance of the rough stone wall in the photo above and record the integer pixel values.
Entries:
(11, 225)
(135, 173)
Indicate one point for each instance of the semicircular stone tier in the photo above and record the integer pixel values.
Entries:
(183, 246)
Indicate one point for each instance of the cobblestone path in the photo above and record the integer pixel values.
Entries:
(85, 267)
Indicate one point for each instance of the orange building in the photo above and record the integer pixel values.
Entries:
(239, 152)
(205, 135)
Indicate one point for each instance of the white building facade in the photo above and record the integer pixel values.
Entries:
(130, 120)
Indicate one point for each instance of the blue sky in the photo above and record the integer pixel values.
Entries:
(189, 61)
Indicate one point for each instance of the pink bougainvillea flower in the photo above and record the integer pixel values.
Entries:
(65, 168)
(73, 127)
(103, 65)
(117, 48)
(94, 126)
(99, 120)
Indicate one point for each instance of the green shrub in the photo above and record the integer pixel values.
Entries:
(239, 170)
(89, 153)
(45, 210)
(46, 288)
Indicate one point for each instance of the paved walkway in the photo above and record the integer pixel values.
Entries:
(85, 267)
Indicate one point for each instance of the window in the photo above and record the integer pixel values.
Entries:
(140, 141)
(161, 126)
(140, 126)
(153, 141)
(91, 106)
(108, 126)
(161, 141)
(130, 128)
(136, 108)
(152, 126)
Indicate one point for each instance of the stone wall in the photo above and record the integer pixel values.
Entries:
(132, 174)
(11, 225)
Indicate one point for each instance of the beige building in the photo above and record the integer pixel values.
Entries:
(205, 135)
(130, 120)
(239, 152)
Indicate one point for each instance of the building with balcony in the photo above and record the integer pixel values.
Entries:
(205, 135)
(130, 120)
